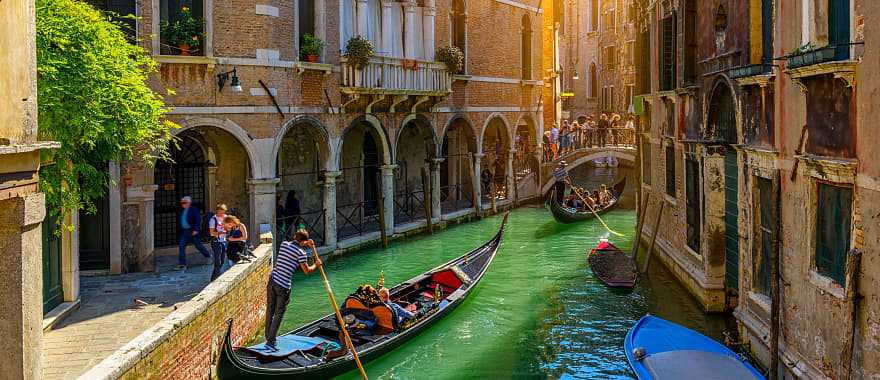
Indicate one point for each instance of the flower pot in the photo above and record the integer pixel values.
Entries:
(184, 49)
(312, 58)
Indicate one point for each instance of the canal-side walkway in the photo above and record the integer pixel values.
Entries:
(116, 309)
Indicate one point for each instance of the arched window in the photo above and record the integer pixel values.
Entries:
(526, 53)
(459, 29)
(593, 82)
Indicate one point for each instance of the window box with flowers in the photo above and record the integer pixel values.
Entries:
(183, 33)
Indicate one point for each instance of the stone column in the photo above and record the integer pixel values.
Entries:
(361, 18)
(409, 21)
(388, 195)
(330, 179)
(428, 29)
(138, 233)
(387, 33)
(478, 201)
(261, 192)
(21, 278)
(435, 189)
(510, 183)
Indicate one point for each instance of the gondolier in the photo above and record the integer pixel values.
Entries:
(291, 255)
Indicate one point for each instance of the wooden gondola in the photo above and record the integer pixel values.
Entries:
(612, 266)
(567, 215)
(444, 287)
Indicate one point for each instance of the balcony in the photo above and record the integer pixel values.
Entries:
(388, 84)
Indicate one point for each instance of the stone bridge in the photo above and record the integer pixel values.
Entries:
(626, 153)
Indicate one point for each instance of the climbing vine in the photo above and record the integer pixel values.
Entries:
(93, 98)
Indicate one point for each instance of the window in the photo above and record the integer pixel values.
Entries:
(767, 31)
(610, 57)
(594, 14)
(765, 241)
(628, 97)
(670, 169)
(608, 20)
(646, 162)
(594, 82)
(559, 15)
(124, 8)
(526, 48)
(630, 53)
(305, 17)
(171, 11)
(828, 117)
(838, 28)
(833, 218)
(669, 123)
(459, 29)
(611, 98)
(643, 68)
(693, 194)
(667, 54)
(690, 42)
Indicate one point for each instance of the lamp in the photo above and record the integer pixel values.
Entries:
(235, 84)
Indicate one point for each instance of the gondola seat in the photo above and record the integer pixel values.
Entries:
(386, 318)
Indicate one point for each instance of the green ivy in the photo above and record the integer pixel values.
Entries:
(93, 98)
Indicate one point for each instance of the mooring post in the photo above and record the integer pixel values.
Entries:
(493, 195)
(653, 237)
(851, 279)
(639, 225)
(381, 204)
(426, 199)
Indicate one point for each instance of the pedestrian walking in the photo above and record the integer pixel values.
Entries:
(190, 231)
(554, 140)
(291, 254)
(548, 156)
(603, 129)
(217, 229)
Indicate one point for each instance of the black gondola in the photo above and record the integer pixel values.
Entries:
(567, 215)
(449, 283)
(612, 266)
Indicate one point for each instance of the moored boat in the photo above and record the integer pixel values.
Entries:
(612, 266)
(661, 350)
(302, 353)
(566, 215)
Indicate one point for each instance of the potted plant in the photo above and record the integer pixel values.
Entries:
(185, 32)
(452, 57)
(310, 47)
(358, 51)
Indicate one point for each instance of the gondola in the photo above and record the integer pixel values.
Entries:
(568, 215)
(657, 349)
(437, 292)
(613, 267)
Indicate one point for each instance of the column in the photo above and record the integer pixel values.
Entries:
(429, 15)
(511, 186)
(478, 201)
(409, 20)
(435, 188)
(21, 278)
(137, 232)
(388, 195)
(361, 18)
(261, 192)
(330, 179)
(387, 22)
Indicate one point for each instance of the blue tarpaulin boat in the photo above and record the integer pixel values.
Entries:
(659, 350)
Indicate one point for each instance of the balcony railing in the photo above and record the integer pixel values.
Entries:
(385, 75)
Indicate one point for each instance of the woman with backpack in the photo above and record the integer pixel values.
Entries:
(237, 236)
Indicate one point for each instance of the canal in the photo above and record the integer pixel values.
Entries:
(538, 312)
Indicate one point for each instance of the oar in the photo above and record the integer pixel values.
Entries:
(568, 181)
(339, 318)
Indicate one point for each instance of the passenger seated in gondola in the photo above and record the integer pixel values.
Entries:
(606, 196)
(403, 315)
(598, 199)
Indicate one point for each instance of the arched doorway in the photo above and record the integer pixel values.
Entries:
(722, 129)
(456, 170)
(211, 166)
(301, 160)
(362, 155)
(414, 149)
(496, 149)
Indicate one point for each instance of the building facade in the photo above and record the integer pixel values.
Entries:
(755, 180)
(263, 127)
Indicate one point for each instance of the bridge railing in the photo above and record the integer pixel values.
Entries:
(590, 138)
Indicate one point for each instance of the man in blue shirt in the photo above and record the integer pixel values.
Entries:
(402, 314)
(190, 230)
(291, 254)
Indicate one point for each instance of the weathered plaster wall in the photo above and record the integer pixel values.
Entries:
(18, 106)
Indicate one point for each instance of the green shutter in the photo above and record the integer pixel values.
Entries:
(833, 218)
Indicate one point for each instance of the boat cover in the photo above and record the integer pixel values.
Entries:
(693, 364)
(288, 344)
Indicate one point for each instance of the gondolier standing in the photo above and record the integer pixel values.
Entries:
(292, 254)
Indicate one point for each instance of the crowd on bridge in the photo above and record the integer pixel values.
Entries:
(601, 131)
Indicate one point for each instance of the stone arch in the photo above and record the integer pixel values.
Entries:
(532, 126)
(420, 120)
(486, 124)
(721, 112)
(376, 126)
(315, 129)
(458, 143)
(453, 120)
(233, 129)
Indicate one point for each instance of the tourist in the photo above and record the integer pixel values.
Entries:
(218, 239)
(291, 254)
(597, 198)
(190, 231)
(603, 128)
(237, 236)
(554, 140)
(605, 195)
(548, 156)
(403, 315)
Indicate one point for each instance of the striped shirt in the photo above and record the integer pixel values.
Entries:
(290, 256)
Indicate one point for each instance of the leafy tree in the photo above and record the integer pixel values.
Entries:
(93, 98)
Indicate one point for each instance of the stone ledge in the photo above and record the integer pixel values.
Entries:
(58, 314)
(124, 359)
(26, 148)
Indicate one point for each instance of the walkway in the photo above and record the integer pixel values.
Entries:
(116, 309)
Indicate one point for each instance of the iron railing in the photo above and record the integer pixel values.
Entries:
(457, 197)
(353, 219)
(312, 221)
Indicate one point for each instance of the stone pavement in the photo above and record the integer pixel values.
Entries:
(115, 310)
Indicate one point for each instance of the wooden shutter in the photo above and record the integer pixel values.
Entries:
(670, 169)
(692, 191)
(833, 217)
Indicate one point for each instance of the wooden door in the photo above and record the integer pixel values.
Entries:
(53, 293)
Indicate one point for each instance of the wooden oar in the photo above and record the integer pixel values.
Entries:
(568, 181)
(339, 318)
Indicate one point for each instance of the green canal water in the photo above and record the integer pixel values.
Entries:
(538, 313)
